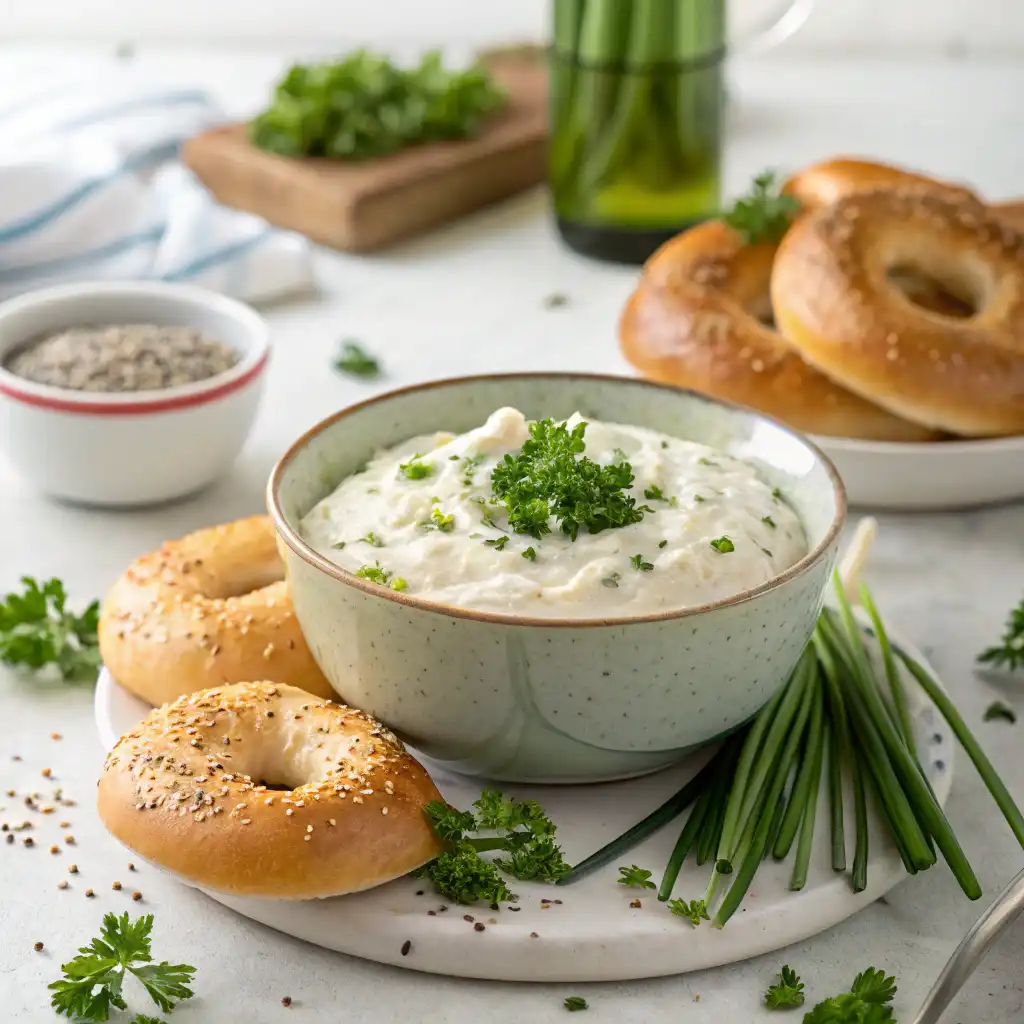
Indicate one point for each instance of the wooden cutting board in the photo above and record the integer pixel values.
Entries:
(358, 207)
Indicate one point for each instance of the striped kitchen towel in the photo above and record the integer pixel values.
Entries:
(91, 188)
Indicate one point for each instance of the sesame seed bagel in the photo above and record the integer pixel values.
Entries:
(698, 320)
(830, 180)
(209, 609)
(189, 790)
(834, 301)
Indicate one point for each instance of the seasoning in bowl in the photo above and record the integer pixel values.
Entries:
(122, 357)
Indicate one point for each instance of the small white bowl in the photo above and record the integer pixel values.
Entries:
(129, 448)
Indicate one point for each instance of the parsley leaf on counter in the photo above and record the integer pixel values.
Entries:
(762, 215)
(787, 992)
(696, 910)
(37, 630)
(634, 876)
(364, 106)
(93, 980)
(997, 710)
(869, 1001)
(552, 477)
(524, 834)
(573, 1003)
(356, 362)
(1009, 652)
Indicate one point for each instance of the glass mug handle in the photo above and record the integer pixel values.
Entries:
(774, 29)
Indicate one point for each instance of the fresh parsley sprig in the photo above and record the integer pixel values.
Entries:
(634, 876)
(787, 993)
(695, 910)
(519, 829)
(355, 361)
(93, 980)
(999, 711)
(37, 630)
(869, 1001)
(552, 477)
(1009, 652)
(763, 214)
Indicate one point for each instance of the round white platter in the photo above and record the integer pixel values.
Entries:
(932, 476)
(592, 934)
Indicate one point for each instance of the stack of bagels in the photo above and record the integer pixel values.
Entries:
(892, 309)
(248, 778)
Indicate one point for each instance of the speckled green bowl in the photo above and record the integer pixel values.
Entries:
(566, 701)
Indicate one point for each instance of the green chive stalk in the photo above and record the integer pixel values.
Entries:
(636, 116)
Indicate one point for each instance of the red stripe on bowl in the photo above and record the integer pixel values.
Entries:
(138, 408)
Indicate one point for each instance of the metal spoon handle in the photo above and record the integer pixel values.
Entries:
(1007, 907)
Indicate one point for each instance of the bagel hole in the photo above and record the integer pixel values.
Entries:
(951, 296)
(250, 579)
(277, 787)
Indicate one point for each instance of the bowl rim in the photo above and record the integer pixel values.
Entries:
(291, 537)
(253, 357)
(1011, 444)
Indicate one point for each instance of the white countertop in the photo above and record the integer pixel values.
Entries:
(469, 299)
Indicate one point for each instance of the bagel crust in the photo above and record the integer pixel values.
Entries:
(826, 182)
(694, 322)
(835, 303)
(187, 790)
(209, 609)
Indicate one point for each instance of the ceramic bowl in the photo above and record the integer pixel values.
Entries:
(133, 448)
(540, 700)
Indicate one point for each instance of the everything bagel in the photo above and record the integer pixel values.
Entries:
(260, 789)
(209, 609)
(700, 318)
(834, 302)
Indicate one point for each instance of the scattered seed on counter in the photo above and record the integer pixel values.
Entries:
(63, 884)
(73, 869)
(406, 947)
(64, 824)
(534, 935)
(479, 927)
(286, 1000)
(29, 841)
(419, 892)
(56, 736)
(430, 913)
(10, 837)
(635, 904)
(38, 947)
(136, 896)
(468, 917)
(70, 840)
(116, 886)
(89, 893)
(47, 773)
(54, 849)
(15, 757)
(131, 867)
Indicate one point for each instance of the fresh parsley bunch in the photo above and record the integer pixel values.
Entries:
(787, 992)
(763, 214)
(37, 630)
(93, 980)
(364, 106)
(551, 476)
(520, 831)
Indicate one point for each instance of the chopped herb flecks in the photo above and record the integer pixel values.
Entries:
(611, 581)
(372, 539)
(376, 573)
(723, 545)
(768, 521)
(355, 362)
(638, 563)
(498, 543)
(439, 521)
(414, 469)
(530, 554)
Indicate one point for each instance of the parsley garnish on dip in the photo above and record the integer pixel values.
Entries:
(545, 518)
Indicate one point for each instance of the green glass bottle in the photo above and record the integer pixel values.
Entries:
(637, 111)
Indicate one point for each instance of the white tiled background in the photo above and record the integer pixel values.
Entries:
(946, 27)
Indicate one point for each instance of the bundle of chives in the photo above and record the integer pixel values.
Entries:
(759, 794)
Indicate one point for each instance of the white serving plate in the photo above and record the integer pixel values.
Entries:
(931, 476)
(593, 934)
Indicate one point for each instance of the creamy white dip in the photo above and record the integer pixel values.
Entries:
(717, 529)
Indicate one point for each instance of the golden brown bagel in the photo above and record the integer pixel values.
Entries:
(208, 609)
(187, 789)
(1011, 213)
(829, 180)
(835, 304)
(697, 320)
